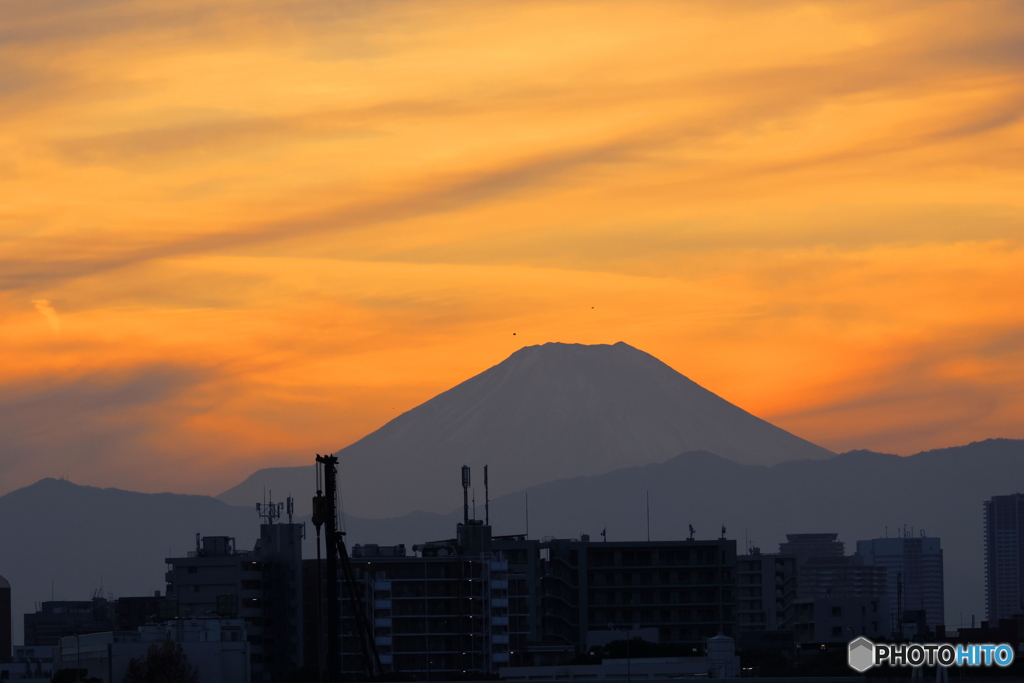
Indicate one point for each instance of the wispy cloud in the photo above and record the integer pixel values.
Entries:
(44, 307)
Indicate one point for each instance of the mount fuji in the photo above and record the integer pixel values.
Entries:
(547, 412)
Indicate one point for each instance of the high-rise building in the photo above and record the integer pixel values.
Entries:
(476, 603)
(812, 545)
(765, 591)
(824, 570)
(450, 611)
(814, 589)
(262, 586)
(5, 620)
(1004, 564)
(913, 566)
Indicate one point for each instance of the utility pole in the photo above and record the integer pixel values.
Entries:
(330, 463)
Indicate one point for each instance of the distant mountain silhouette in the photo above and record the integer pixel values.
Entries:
(77, 534)
(80, 537)
(545, 413)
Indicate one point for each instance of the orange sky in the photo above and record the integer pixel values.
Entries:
(235, 233)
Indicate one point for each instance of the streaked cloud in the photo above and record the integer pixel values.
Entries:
(268, 227)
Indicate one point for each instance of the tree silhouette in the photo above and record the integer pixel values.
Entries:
(165, 663)
(73, 676)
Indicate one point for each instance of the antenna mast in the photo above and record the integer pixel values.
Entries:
(271, 511)
(465, 494)
(648, 516)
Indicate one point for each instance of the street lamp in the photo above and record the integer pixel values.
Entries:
(629, 661)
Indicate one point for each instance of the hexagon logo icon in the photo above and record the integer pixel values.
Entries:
(861, 655)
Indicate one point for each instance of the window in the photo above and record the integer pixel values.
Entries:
(195, 588)
(836, 631)
(193, 570)
(837, 611)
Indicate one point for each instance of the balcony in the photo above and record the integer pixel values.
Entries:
(382, 622)
(499, 621)
(382, 604)
(499, 602)
(500, 584)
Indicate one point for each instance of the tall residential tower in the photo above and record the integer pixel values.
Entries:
(1004, 569)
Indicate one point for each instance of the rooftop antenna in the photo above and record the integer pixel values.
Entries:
(465, 494)
(474, 504)
(270, 510)
(290, 503)
(723, 531)
(691, 531)
(487, 500)
(604, 534)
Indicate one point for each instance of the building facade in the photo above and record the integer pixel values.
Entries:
(1004, 566)
(216, 648)
(5, 620)
(477, 603)
(56, 619)
(262, 587)
(766, 588)
(449, 611)
(914, 575)
(840, 619)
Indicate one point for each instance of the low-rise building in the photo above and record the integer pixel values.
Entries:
(216, 648)
(29, 663)
(840, 618)
(56, 619)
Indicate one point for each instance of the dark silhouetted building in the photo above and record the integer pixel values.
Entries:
(812, 545)
(765, 591)
(57, 619)
(475, 603)
(811, 589)
(262, 586)
(132, 612)
(5, 620)
(684, 589)
(1004, 562)
(446, 612)
(914, 577)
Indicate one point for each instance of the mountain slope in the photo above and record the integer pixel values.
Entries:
(545, 413)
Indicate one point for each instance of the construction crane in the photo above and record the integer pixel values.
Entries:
(325, 514)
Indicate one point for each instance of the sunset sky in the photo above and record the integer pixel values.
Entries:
(236, 233)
